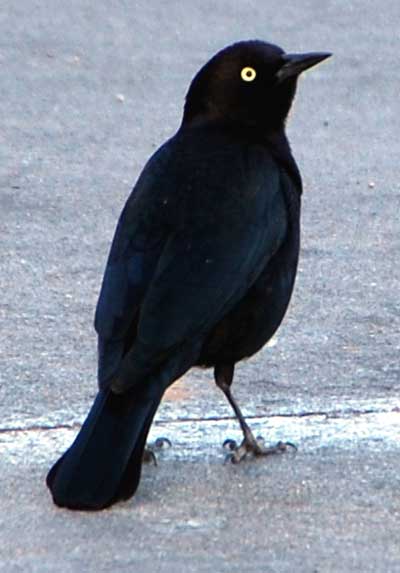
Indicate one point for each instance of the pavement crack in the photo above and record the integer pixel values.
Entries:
(307, 414)
(340, 413)
(40, 428)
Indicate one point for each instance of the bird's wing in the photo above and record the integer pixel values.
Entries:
(234, 221)
(139, 239)
(203, 272)
(176, 276)
(129, 269)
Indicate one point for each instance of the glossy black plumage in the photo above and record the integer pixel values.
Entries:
(202, 265)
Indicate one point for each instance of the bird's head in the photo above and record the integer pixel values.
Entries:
(249, 83)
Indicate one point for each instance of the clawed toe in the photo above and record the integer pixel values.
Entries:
(230, 445)
(149, 456)
(162, 443)
(254, 447)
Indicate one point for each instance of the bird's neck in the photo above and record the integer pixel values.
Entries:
(278, 144)
(274, 140)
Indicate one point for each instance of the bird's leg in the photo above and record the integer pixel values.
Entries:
(149, 455)
(250, 445)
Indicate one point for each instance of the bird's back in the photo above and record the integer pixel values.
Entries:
(205, 217)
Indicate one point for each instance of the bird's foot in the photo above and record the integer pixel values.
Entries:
(149, 455)
(252, 446)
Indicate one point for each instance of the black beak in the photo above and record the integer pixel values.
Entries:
(295, 64)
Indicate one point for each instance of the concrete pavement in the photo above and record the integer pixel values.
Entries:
(88, 91)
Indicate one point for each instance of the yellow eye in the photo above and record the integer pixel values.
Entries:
(248, 74)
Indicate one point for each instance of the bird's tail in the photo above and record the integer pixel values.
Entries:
(103, 465)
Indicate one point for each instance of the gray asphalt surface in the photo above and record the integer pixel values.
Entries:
(88, 91)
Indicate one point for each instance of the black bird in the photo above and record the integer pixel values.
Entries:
(201, 268)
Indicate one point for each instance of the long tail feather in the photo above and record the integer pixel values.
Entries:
(104, 463)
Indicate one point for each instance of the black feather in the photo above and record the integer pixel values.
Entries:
(202, 265)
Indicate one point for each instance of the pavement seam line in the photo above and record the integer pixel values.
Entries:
(329, 415)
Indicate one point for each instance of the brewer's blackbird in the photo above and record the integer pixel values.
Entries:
(201, 268)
